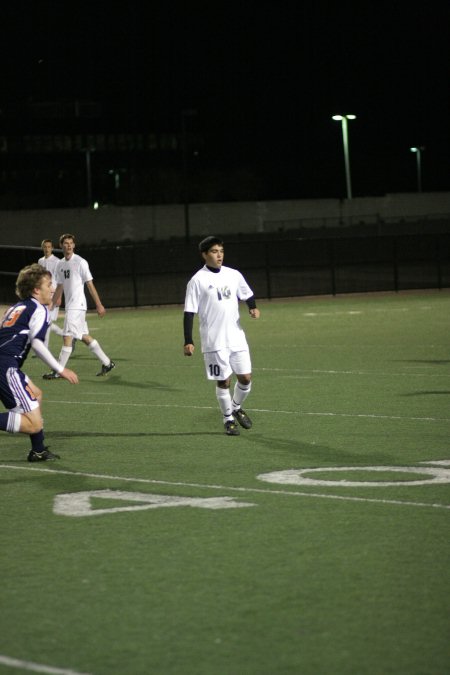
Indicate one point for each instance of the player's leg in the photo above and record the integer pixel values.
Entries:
(219, 370)
(74, 327)
(54, 326)
(64, 356)
(241, 364)
(66, 350)
(56, 329)
(70, 324)
(95, 348)
(21, 396)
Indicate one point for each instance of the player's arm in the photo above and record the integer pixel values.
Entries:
(47, 357)
(101, 311)
(252, 308)
(188, 323)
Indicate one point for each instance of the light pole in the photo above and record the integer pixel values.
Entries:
(184, 140)
(87, 151)
(88, 177)
(343, 119)
(418, 153)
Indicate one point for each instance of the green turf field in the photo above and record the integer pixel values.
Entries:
(159, 546)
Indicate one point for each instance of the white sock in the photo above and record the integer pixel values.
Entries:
(64, 355)
(14, 420)
(99, 353)
(240, 393)
(224, 399)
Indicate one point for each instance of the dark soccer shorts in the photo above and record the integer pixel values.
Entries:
(15, 392)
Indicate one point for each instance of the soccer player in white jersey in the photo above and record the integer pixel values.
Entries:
(72, 273)
(49, 262)
(214, 293)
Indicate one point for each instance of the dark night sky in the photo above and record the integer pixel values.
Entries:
(265, 78)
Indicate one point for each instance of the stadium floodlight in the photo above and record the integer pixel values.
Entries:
(185, 114)
(343, 119)
(418, 152)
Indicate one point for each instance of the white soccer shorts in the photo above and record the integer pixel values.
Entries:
(75, 323)
(221, 364)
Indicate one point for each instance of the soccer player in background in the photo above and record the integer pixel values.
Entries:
(72, 273)
(214, 293)
(50, 261)
(22, 327)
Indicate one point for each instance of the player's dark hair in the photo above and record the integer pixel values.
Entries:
(46, 241)
(208, 243)
(66, 236)
(29, 278)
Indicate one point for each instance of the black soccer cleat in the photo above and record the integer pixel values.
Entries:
(44, 456)
(106, 369)
(231, 428)
(52, 375)
(243, 419)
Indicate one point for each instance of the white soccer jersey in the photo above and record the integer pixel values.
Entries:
(215, 296)
(73, 274)
(50, 265)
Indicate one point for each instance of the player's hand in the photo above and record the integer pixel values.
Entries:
(189, 350)
(101, 311)
(254, 313)
(69, 375)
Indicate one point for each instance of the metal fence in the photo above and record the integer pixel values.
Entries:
(156, 273)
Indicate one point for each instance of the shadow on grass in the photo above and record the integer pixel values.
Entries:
(113, 434)
(53, 435)
(427, 393)
(294, 450)
(117, 380)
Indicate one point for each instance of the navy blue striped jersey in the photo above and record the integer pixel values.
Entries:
(21, 323)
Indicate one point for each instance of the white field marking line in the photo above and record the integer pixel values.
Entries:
(225, 488)
(263, 410)
(384, 310)
(348, 312)
(370, 373)
(327, 345)
(364, 415)
(36, 667)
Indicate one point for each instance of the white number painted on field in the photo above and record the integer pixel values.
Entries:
(437, 473)
(79, 503)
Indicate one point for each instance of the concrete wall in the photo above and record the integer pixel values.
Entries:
(139, 223)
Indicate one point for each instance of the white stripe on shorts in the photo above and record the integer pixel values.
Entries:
(23, 401)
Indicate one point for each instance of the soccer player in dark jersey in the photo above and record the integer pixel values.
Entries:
(23, 327)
